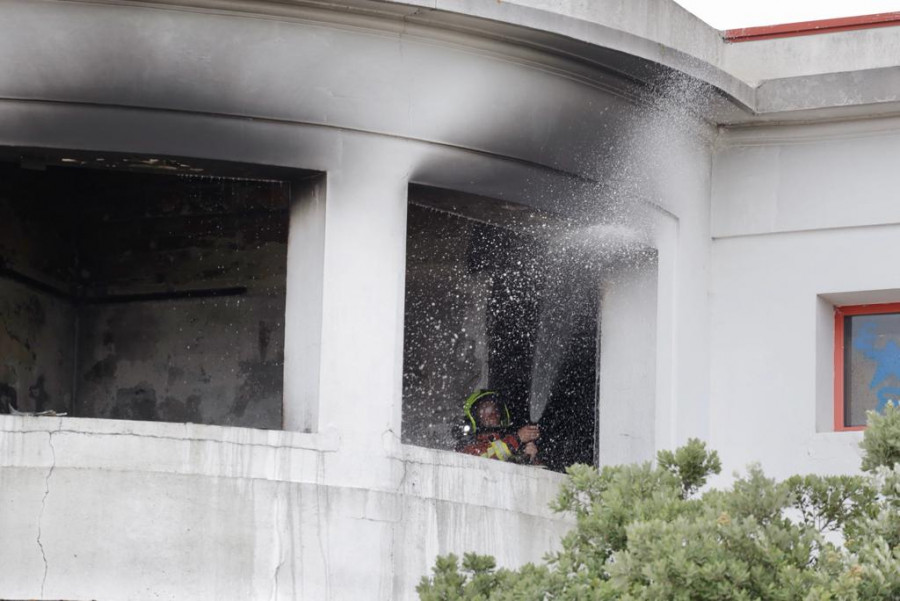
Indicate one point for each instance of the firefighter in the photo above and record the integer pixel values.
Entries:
(488, 433)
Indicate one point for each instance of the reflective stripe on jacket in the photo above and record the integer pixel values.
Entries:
(498, 449)
(493, 445)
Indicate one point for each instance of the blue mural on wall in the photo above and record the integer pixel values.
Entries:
(887, 362)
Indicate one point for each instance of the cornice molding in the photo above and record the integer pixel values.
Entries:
(614, 61)
(809, 132)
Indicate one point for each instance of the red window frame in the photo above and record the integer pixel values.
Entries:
(839, 314)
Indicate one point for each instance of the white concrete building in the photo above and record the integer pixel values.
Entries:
(257, 408)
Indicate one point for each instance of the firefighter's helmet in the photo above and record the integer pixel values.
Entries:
(470, 408)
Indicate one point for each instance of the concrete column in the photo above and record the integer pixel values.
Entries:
(360, 383)
(627, 381)
(303, 310)
(665, 240)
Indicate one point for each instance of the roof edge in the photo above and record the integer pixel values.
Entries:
(801, 28)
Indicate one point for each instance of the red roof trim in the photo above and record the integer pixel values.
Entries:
(787, 30)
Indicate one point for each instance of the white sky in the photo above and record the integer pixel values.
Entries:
(732, 14)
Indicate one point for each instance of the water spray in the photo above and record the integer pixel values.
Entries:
(574, 269)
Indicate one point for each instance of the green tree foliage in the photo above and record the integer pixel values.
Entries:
(650, 532)
(881, 444)
(692, 464)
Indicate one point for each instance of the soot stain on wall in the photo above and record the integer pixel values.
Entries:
(36, 339)
(136, 402)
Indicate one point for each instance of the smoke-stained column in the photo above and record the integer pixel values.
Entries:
(303, 310)
(363, 282)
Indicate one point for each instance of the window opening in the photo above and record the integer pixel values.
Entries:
(155, 295)
(866, 362)
(490, 307)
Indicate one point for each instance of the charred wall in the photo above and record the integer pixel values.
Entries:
(165, 302)
(214, 360)
(37, 310)
(37, 338)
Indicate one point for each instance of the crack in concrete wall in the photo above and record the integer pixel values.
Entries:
(40, 543)
(329, 447)
(279, 545)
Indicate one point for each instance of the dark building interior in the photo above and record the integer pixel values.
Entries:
(142, 289)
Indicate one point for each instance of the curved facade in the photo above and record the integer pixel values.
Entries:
(601, 118)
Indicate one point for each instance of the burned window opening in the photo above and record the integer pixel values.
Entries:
(142, 295)
(480, 298)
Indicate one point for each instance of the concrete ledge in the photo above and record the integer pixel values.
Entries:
(63, 443)
(174, 431)
(457, 478)
(186, 449)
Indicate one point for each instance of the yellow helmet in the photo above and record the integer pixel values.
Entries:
(477, 396)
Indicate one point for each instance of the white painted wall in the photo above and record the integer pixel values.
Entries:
(802, 218)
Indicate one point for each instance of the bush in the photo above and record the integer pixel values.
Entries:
(645, 532)
(881, 442)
